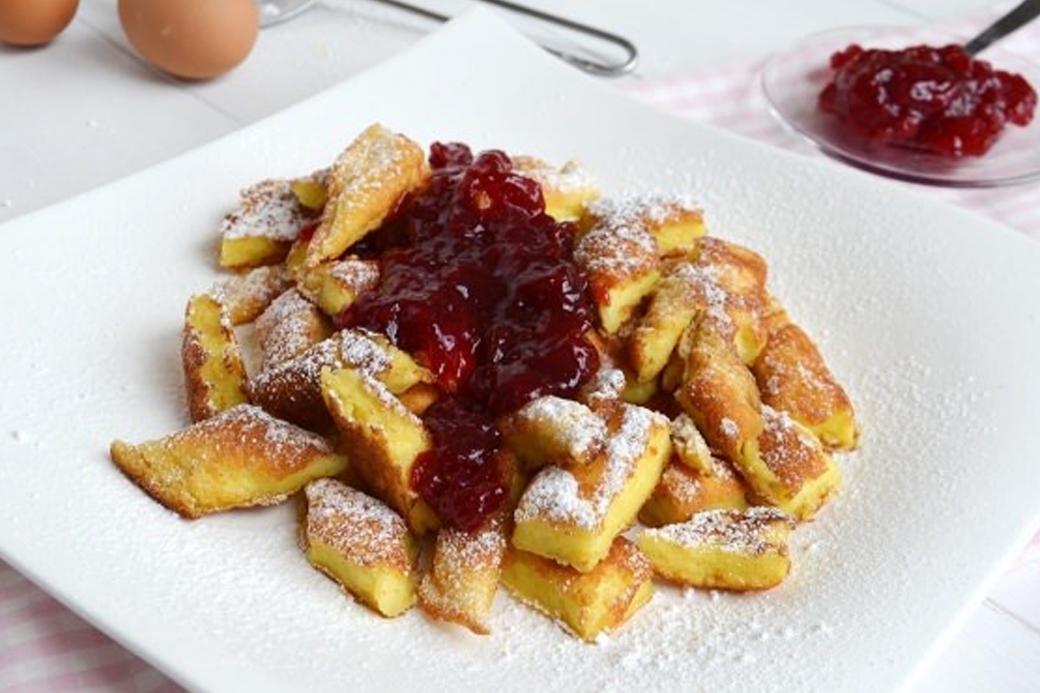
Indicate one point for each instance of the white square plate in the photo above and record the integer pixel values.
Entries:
(927, 313)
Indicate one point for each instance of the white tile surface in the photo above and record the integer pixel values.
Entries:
(120, 116)
(341, 37)
(941, 10)
(79, 113)
(291, 61)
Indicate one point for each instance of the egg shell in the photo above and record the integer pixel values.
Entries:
(193, 39)
(34, 22)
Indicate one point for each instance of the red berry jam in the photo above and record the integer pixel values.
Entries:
(308, 230)
(939, 100)
(479, 283)
(459, 479)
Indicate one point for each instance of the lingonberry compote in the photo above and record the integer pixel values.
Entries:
(480, 285)
(460, 479)
(936, 99)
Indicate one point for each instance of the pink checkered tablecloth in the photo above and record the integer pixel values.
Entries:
(45, 648)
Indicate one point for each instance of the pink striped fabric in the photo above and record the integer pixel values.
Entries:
(45, 648)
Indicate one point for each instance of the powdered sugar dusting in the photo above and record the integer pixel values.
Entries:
(555, 495)
(361, 352)
(617, 249)
(302, 371)
(355, 274)
(745, 532)
(462, 581)
(604, 387)
(572, 177)
(722, 469)
(246, 295)
(387, 398)
(790, 451)
(704, 287)
(268, 209)
(472, 551)
(688, 441)
(796, 372)
(582, 432)
(285, 329)
(643, 208)
(365, 530)
(781, 421)
(680, 483)
(465, 573)
(793, 376)
(280, 440)
(384, 155)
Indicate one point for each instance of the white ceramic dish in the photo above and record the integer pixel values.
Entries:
(925, 311)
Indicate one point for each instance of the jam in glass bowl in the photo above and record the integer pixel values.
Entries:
(939, 117)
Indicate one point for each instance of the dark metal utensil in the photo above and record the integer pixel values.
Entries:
(277, 11)
(1012, 21)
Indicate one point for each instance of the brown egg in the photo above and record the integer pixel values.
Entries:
(194, 39)
(34, 22)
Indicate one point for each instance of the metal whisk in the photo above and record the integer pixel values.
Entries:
(277, 11)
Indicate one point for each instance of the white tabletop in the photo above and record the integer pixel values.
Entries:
(84, 111)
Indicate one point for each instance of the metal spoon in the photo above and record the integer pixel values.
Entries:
(1012, 21)
(277, 11)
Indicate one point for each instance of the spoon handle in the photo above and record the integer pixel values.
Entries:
(1013, 20)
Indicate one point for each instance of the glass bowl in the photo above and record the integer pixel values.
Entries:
(277, 11)
(793, 79)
